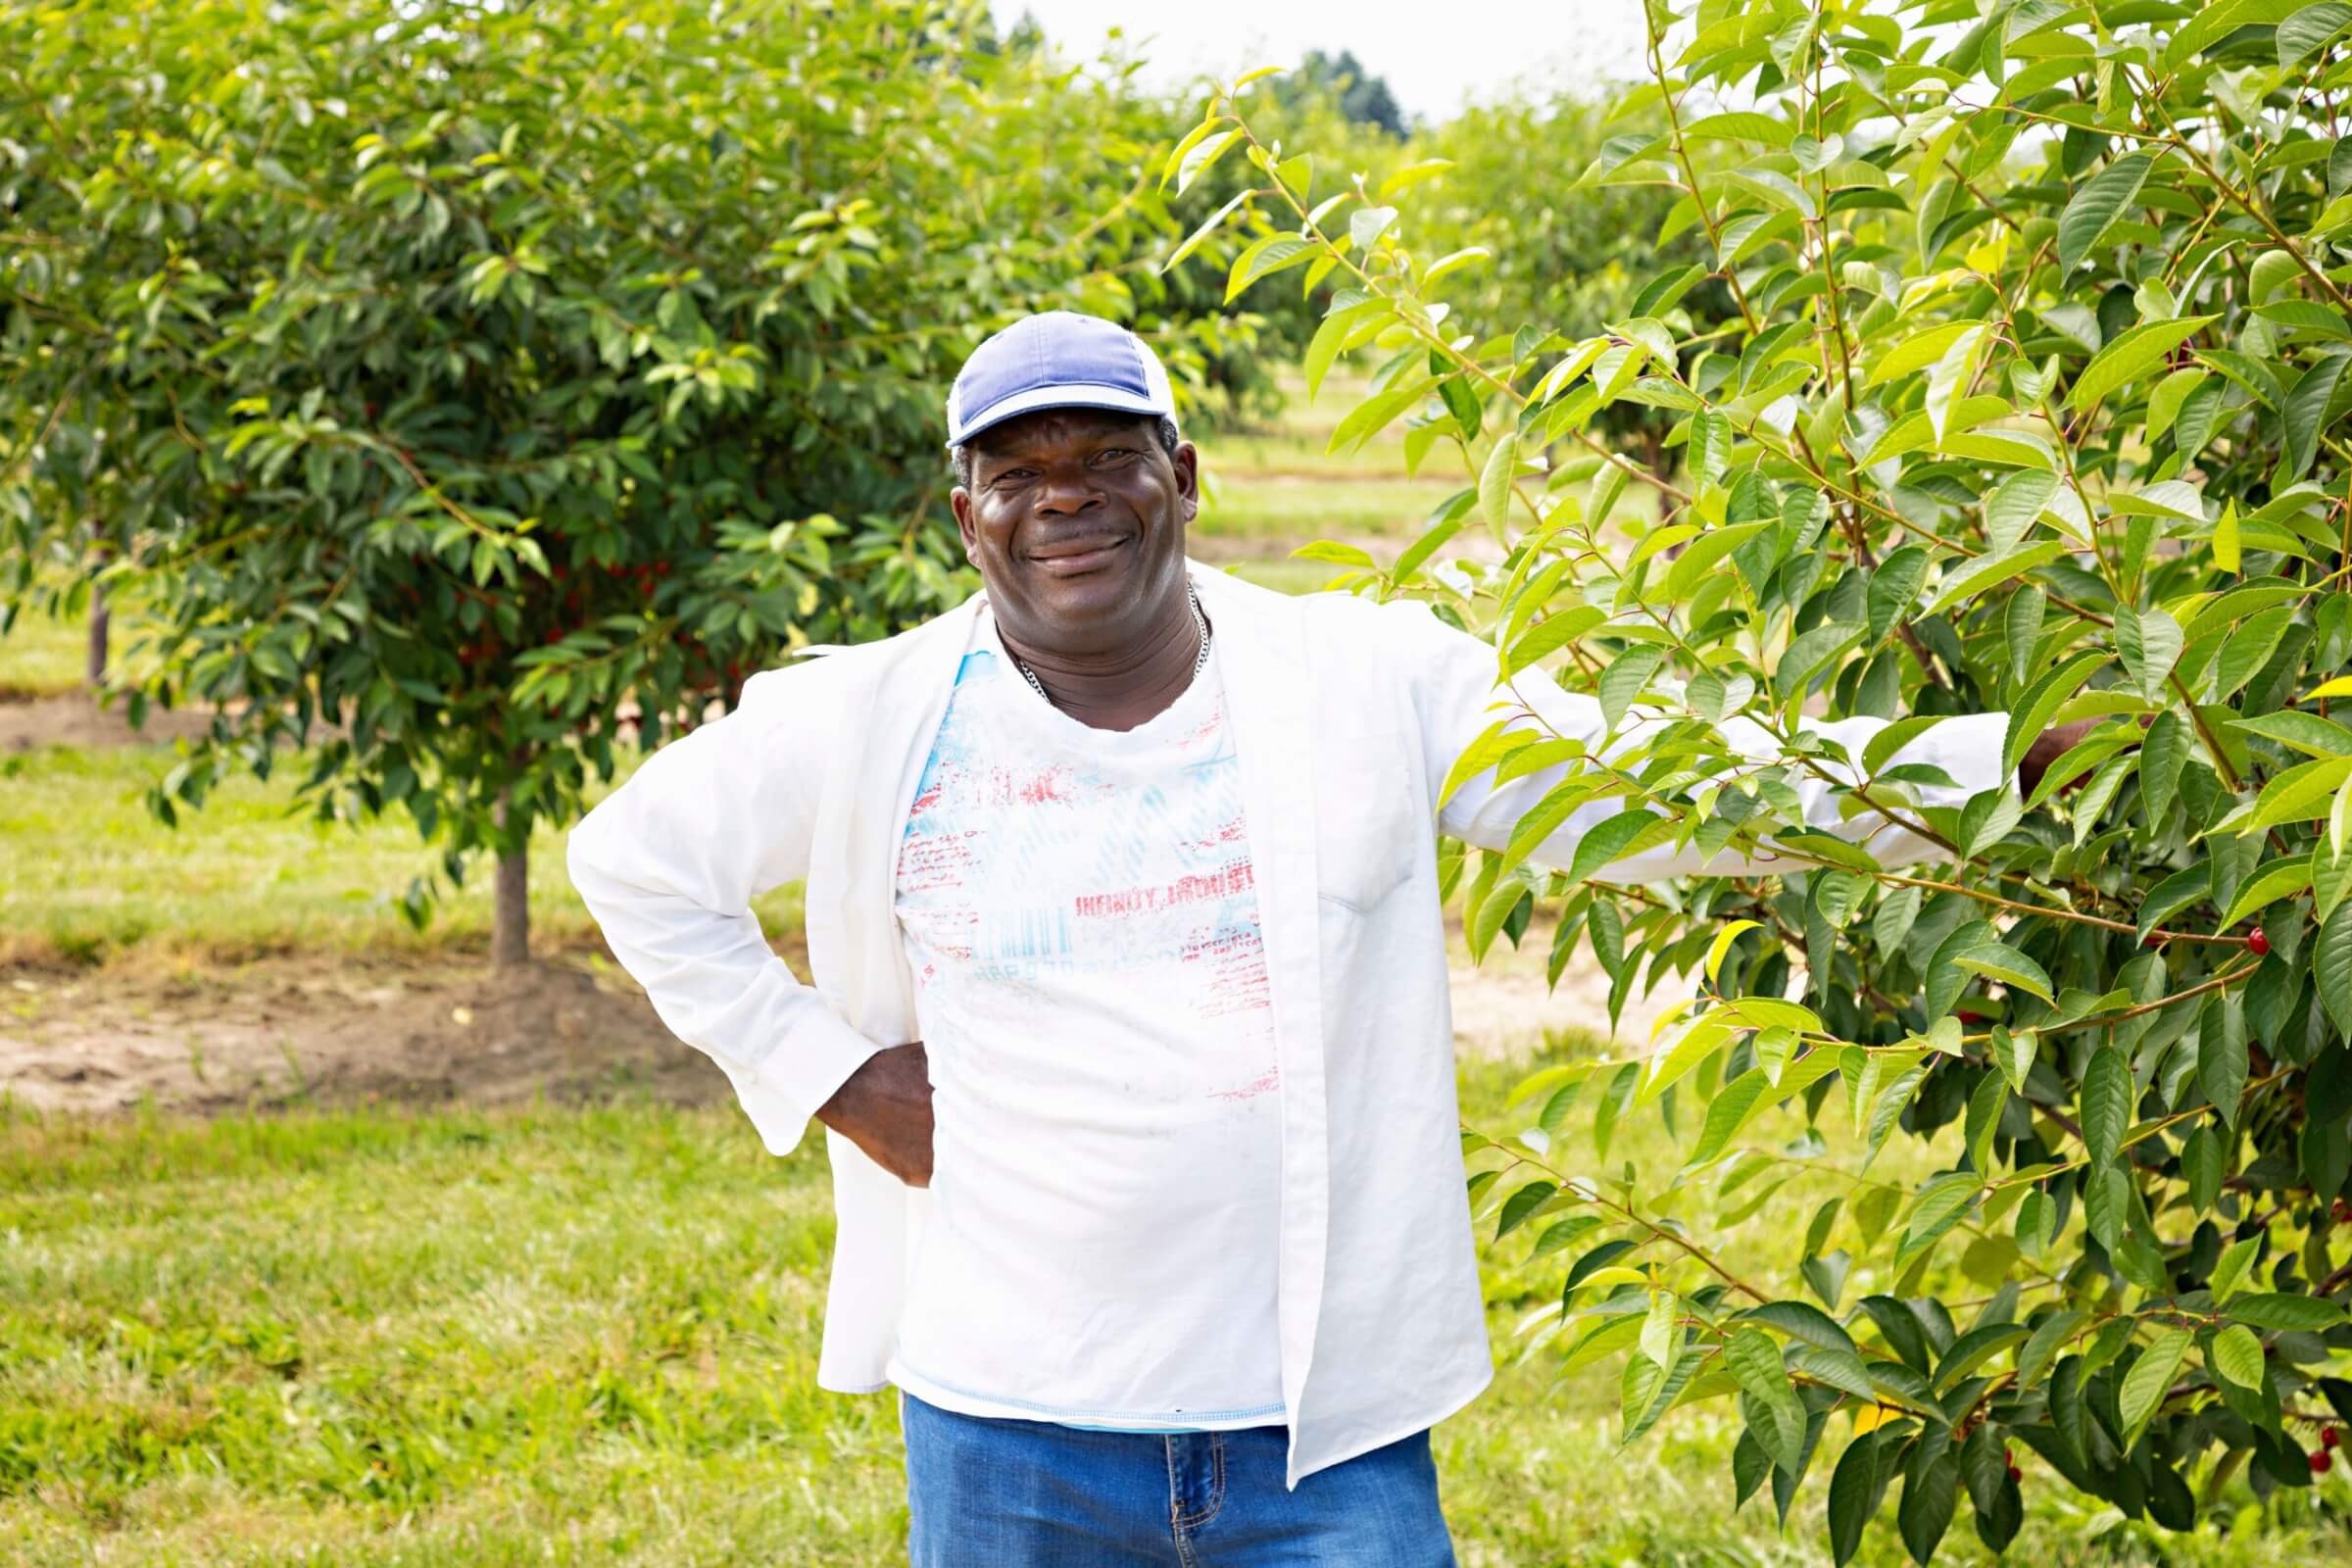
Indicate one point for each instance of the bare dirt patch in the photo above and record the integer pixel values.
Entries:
(311, 1029)
(75, 719)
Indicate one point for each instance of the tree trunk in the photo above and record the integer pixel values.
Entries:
(511, 903)
(94, 670)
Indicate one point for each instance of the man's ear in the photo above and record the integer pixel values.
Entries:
(1186, 460)
(959, 502)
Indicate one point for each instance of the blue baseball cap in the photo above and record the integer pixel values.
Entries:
(1056, 360)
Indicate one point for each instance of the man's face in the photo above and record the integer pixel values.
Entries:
(1076, 519)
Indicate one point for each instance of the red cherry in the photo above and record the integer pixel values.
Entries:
(2322, 1462)
(660, 569)
(2259, 943)
(2154, 939)
(555, 636)
(2015, 1474)
(2332, 1437)
(557, 572)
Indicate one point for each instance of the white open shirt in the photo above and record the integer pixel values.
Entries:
(1348, 716)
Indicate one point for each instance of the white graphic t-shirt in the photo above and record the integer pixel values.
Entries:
(1081, 923)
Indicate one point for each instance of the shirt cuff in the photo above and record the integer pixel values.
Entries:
(784, 1089)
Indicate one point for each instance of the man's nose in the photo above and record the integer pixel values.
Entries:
(1067, 492)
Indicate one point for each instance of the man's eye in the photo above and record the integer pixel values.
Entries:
(1116, 452)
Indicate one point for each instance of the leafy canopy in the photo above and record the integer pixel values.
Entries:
(2010, 377)
(490, 381)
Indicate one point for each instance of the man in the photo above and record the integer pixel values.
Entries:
(1129, 1026)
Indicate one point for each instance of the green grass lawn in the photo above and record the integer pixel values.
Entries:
(537, 1335)
(87, 873)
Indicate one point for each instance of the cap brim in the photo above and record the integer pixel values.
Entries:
(1085, 395)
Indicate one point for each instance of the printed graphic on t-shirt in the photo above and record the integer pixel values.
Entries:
(1081, 917)
(1012, 874)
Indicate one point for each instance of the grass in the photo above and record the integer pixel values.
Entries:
(42, 655)
(87, 874)
(461, 1337)
(1271, 490)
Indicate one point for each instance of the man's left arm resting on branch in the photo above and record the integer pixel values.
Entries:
(1457, 698)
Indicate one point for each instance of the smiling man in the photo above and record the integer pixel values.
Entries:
(1129, 1027)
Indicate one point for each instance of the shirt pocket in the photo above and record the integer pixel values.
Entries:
(1368, 829)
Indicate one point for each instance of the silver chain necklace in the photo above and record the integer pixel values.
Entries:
(1200, 661)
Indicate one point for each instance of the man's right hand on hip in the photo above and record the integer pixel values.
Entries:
(884, 1107)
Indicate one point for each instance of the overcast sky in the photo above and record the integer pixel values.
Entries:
(1478, 51)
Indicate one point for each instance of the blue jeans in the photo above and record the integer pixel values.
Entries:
(990, 1494)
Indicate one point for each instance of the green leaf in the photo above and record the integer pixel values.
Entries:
(2221, 1070)
(1366, 225)
(2236, 1258)
(2130, 354)
(1941, 1202)
(1920, 351)
(2332, 967)
(2106, 1104)
(2011, 967)
(2307, 415)
(1264, 258)
(2236, 1354)
(1494, 483)
(2042, 1346)
(1622, 683)
(1521, 1204)
(1739, 1103)
(1894, 588)
(2162, 756)
(1373, 416)
(2013, 1052)
(2014, 506)
(1200, 156)
(1738, 125)
(1657, 1391)
(1192, 242)
(1985, 571)
(1930, 1497)
(1662, 1329)
(2310, 27)
(2301, 794)
(2097, 205)
(2276, 880)
(2033, 712)
(2307, 733)
(1853, 1497)
(1755, 1362)
(2288, 1314)
(2149, 1379)
(1700, 556)
(2149, 643)
(1610, 839)
(1804, 1322)
(1331, 336)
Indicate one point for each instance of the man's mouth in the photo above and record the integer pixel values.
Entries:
(1077, 557)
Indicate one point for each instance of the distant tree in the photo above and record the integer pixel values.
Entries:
(1361, 96)
(489, 384)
